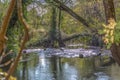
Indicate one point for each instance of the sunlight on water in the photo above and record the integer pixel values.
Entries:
(69, 72)
(42, 59)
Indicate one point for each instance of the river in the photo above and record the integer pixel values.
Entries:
(40, 67)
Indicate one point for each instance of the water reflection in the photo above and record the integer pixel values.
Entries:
(57, 68)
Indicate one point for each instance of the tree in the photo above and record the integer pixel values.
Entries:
(86, 22)
(110, 25)
(4, 26)
(25, 39)
(55, 39)
(3, 31)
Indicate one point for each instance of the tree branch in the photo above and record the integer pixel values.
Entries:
(72, 13)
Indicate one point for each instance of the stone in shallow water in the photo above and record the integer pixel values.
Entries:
(81, 56)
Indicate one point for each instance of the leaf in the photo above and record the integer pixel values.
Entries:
(101, 32)
(108, 46)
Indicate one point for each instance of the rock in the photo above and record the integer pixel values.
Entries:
(81, 56)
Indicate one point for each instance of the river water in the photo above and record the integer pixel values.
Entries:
(40, 67)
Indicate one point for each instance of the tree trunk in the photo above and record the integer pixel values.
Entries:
(52, 33)
(110, 14)
(54, 37)
(4, 25)
(115, 49)
(7, 60)
(60, 41)
(109, 10)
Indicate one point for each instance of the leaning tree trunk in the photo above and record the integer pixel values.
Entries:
(110, 15)
(5, 24)
(7, 55)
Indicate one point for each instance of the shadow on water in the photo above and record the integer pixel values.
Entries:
(57, 68)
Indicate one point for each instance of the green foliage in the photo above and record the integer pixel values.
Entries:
(53, 23)
(13, 39)
(101, 32)
(117, 34)
(27, 2)
(90, 10)
(111, 34)
(3, 8)
(49, 1)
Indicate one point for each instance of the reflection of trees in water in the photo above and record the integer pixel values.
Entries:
(88, 67)
(58, 68)
(22, 71)
(85, 66)
(61, 70)
(73, 68)
(25, 71)
(115, 72)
